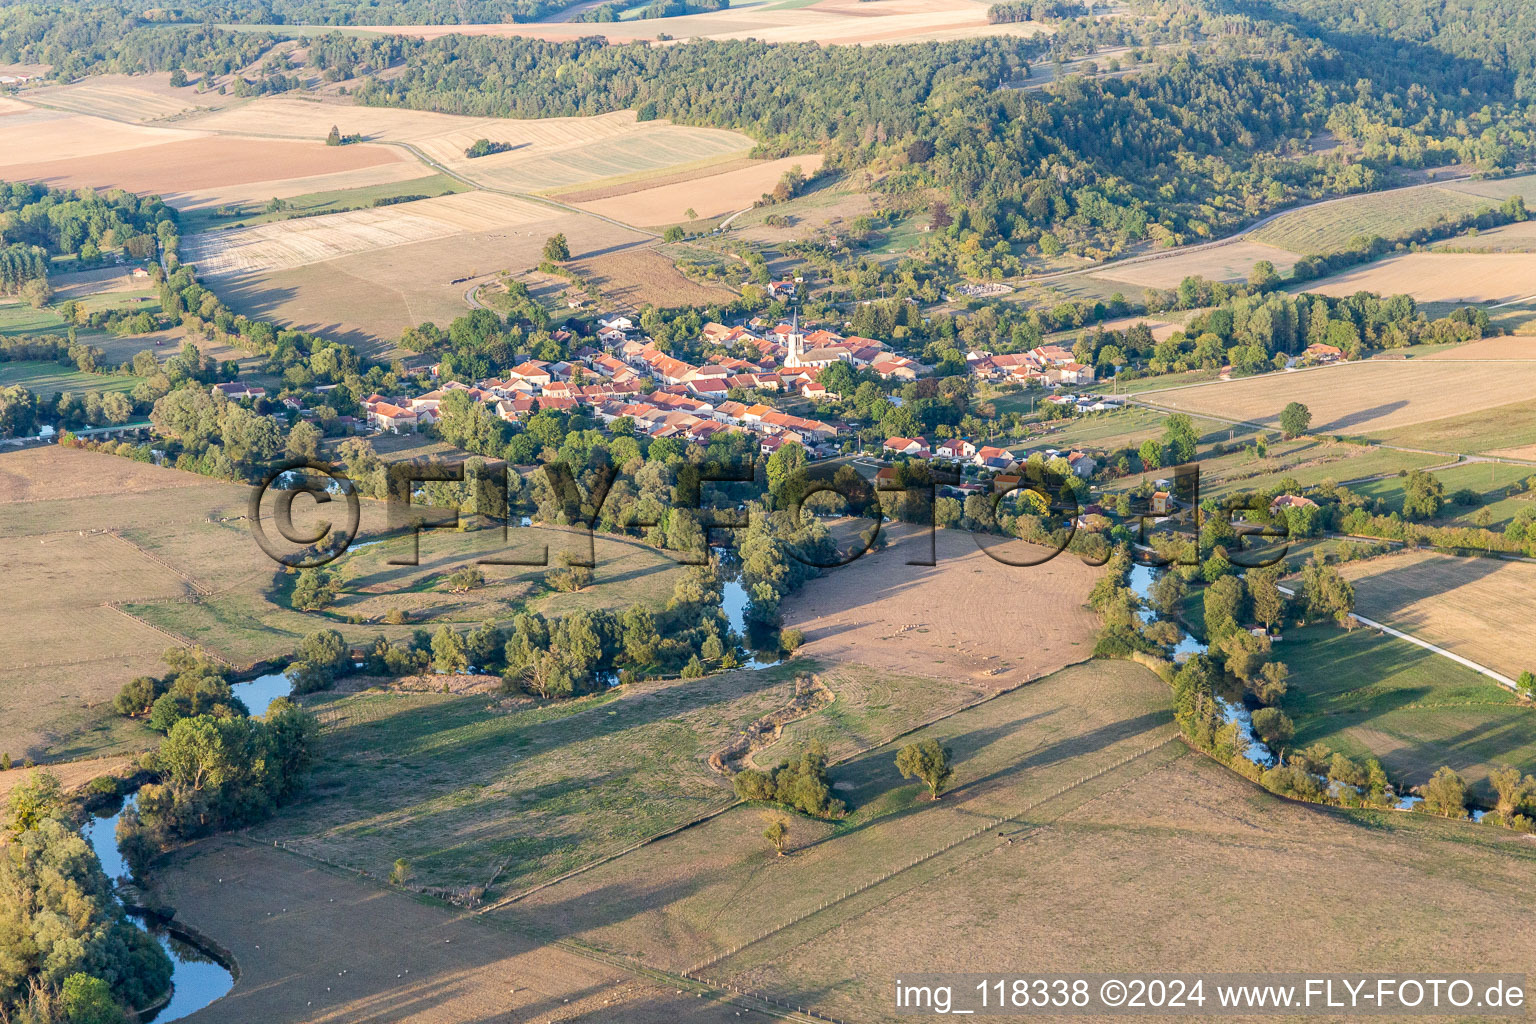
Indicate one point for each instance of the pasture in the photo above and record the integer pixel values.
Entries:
(19, 318)
(1330, 226)
(1479, 608)
(699, 893)
(295, 927)
(1097, 883)
(1520, 237)
(709, 197)
(1488, 480)
(1366, 693)
(1376, 398)
(51, 378)
(227, 214)
(1497, 188)
(504, 794)
(139, 99)
(68, 648)
(1230, 261)
(1508, 430)
(1502, 277)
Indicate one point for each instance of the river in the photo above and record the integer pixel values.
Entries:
(1142, 579)
(197, 978)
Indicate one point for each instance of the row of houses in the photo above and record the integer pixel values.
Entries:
(1046, 365)
(987, 457)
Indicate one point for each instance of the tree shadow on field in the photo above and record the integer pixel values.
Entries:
(1357, 418)
(1392, 591)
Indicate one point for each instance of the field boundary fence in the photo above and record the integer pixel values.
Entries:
(986, 826)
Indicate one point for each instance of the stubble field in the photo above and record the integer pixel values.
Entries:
(713, 196)
(1479, 608)
(368, 298)
(545, 153)
(285, 245)
(829, 22)
(641, 274)
(1231, 262)
(1372, 398)
(1440, 277)
(82, 151)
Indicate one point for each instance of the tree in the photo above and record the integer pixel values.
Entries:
(37, 798)
(1151, 454)
(1264, 592)
(1181, 439)
(556, 249)
(1514, 791)
(1295, 419)
(304, 440)
(1445, 794)
(1423, 496)
(448, 655)
(315, 589)
(777, 832)
(1274, 727)
(88, 1000)
(1526, 684)
(928, 761)
(334, 138)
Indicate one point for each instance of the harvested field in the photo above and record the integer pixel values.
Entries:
(1498, 188)
(827, 22)
(294, 928)
(1508, 347)
(284, 245)
(1440, 277)
(713, 196)
(107, 280)
(546, 153)
(367, 299)
(624, 184)
(1360, 398)
(1162, 330)
(702, 891)
(136, 98)
(952, 620)
(1474, 607)
(1095, 885)
(1231, 262)
(259, 192)
(640, 275)
(1330, 226)
(197, 162)
(69, 138)
(1519, 237)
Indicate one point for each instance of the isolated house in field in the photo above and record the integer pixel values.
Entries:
(1323, 354)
